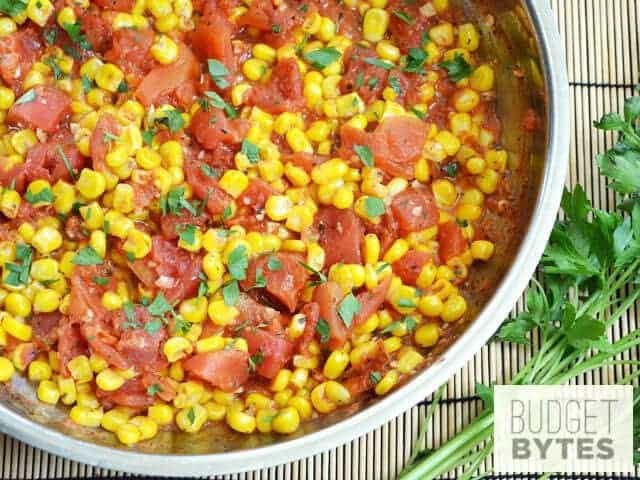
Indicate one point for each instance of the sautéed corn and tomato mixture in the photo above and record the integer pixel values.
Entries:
(245, 211)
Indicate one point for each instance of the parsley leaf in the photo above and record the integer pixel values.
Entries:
(275, 28)
(359, 80)
(457, 68)
(52, 63)
(102, 281)
(408, 322)
(374, 206)
(87, 256)
(255, 361)
(394, 83)
(130, 315)
(74, 30)
(191, 415)
(323, 57)
(231, 293)
(450, 169)
(181, 325)
(12, 8)
(148, 135)
(348, 308)
(375, 377)
(376, 62)
(219, 73)
(174, 201)
(406, 18)
(153, 389)
(238, 263)
(159, 306)
(274, 264)
(153, 326)
(27, 97)
(365, 154)
(67, 163)
(421, 115)
(251, 151)
(415, 60)
(86, 84)
(209, 171)
(43, 196)
(322, 278)
(323, 329)
(187, 234)
(172, 119)
(19, 274)
(218, 102)
(261, 280)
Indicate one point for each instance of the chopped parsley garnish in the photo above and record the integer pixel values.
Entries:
(12, 8)
(406, 303)
(261, 280)
(450, 169)
(359, 80)
(376, 62)
(148, 136)
(209, 171)
(218, 102)
(231, 293)
(74, 30)
(382, 267)
(251, 151)
(403, 16)
(348, 308)
(181, 325)
(43, 196)
(274, 264)
(275, 28)
(303, 8)
(255, 360)
(19, 274)
(87, 256)
(130, 315)
(159, 306)
(27, 97)
(375, 377)
(238, 263)
(372, 82)
(394, 83)
(219, 73)
(172, 119)
(153, 326)
(67, 163)
(52, 63)
(227, 213)
(322, 278)
(415, 60)
(102, 281)
(187, 234)
(153, 389)
(191, 415)
(374, 206)
(174, 201)
(123, 87)
(323, 329)
(50, 35)
(421, 115)
(86, 84)
(364, 153)
(408, 322)
(457, 68)
(323, 57)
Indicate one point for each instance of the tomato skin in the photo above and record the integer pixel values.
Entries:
(371, 301)
(170, 223)
(452, 242)
(283, 92)
(70, 343)
(118, 5)
(107, 124)
(225, 369)
(45, 329)
(97, 30)
(130, 51)
(408, 35)
(254, 313)
(212, 127)
(398, 145)
(304, 160)
(328, 295)
(212, 39)
(359, 75)
(131, 394)
(165, 79)
(206, 187)
(285, 284)
(18, 52)
(46, 111)
(408, 268)
(139, 348)
(341, 235)
(414, 210)
(275, 349)
(262, 15)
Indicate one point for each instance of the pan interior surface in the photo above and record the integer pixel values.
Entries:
(515, 39)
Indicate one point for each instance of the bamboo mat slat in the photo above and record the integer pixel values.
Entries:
(602, 40)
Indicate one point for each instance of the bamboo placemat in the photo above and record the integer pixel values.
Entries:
(602, 40)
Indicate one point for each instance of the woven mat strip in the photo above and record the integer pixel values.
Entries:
(602, 41)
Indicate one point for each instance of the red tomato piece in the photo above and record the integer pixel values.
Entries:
(212, 40)
(99, 144)
(311, 312)
(130, 51)
(97, 30)
(164, 386)
(70, 343)
(45, 329)
(273, 350)
(263, 16)
(414, 210)
(18, 52)
(362, 77)
(144, 195)
(351, 137)
(408, 268)
(285, 283)
(254, 313)
(328, 295)
(225, 369)
(166, 78)
(205, 187)
(45, 109)
(170, 223)
(407, 25)
(131, 394)
(283, 92)
(371, 301)
(341, 235)
(255, 196)
(398, 145)
(450, 240)
(303, 160)
(210, 127)
(119, 5)
(140, 348)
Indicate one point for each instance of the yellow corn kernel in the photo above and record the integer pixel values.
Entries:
(442, 34)
(16, 328)
(408, 360)
(46, 300)
(17, 304)
(80, 369)
(468, 37)
(320, 401)
(329, 171)
(396, 251)
(300, 218)
(345, 106)
(164, 49)
(298, 141)
(482, 249)
(109, 380)
(67, 389)
(176, 348)
(254, 69)
(109, 77)
(39, 11)
(488, 181)
(97, 363)
(161, 413)
(22, 141)
(454, 308)
(128, 434)
(497, 160)
(281, 380)
(234, 182)
(336, 364)
(375, 24)
(10, 201)
(240, 421)
(286, 421)
(427, 335)
(482, 79)
(7, 26)
(113, 419)
(91, 184)
(465, 100)
(85, 416)
(39, 370)
(194, 310)
(47, 392)
(222, 314)
(148, 427)
(444, 192)
(26, 231)
(430, 305)
(387, 382)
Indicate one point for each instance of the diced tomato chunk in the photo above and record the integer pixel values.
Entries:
(107, 125)
(140, 348)
(131, 394)
(97, 30)
(283, 92)
(328, 295)
(311, 312)
(70, 343)
(130, 51)
(165, 79)
(42, 107)
(273, 350)
(212, 40)
(18, 52)
(225, 369)
(211, 127)
(254, 313)
(340, 235)
(408, 268)
(263, 16)
(283, 274)
(361, 76)
(451, 241)
(371, 301)
(398, 145)
(119, 5)
(414, 210)
(205, 187)
(45, 329)
(170, 223)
